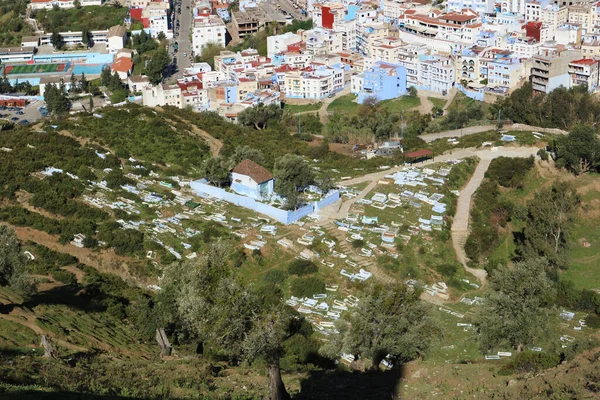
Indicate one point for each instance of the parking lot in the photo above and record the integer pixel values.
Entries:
(22, 115)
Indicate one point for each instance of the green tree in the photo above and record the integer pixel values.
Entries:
(77, 4)
(412, 91)
(209, 51)
(259, 116)
(242, 153)
(86, 37)
(105, 76)
(291, 174)
(227, 316)
(515, 313)
(579, 151)
(57, 40)
(13, 263)
(56, 99)
(550, 216)
(156, 67)
(388, 320)
(84, 84)
(216, 170)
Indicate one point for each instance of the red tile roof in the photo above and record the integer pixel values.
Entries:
(123, 64)
(253, 170)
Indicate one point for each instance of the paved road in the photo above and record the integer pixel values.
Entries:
(184, 41)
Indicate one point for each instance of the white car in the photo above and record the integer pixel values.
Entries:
(185, 54)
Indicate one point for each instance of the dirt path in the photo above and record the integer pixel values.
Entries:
(460, 224)
(215, 144)
(323, 113)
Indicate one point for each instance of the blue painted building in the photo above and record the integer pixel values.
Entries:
(384, 81)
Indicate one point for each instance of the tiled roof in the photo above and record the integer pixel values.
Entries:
(253, 170)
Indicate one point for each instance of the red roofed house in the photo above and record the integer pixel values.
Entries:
(250, 179)
(123, 67)
(584, 72)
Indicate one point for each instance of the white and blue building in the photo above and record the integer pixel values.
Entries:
(252, 180)
(383, 81)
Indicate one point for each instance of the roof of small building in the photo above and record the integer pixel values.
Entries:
(122, 64)
(249, 168)
(117, 30)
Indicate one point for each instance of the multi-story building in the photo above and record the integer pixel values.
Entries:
(327, 14)
(162, 95)
(436, 73)
(313, 83)
(582, 15)
(550, 14)
(550, 69)
(366, 34)
(320, 41)
(584, 72)
(590, 46)
(382, 82)
(279, 43)
(568, 34)
(208, 29)
(505, 73)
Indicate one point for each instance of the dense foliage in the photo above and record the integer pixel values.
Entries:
(562, 108)
(76, 19)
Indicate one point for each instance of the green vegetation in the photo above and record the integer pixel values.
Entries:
(579, 151)
(306, 287)
(302, 267)
(437, 102)
(298, 108)
(78, 19)
(12, 27)
(562, 108)
(12, 263)
(516, 312)
(141, 133)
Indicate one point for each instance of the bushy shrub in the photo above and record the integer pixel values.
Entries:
(302, 267)
(274, 276)
(509, 171)
(66, 277)
(593, 321)
(358, 243)
(530, 361)
(306, 287)
(447, 270)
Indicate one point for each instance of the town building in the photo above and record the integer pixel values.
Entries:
(383, 81)
(584, 72)
(208, 29)
(252, 180)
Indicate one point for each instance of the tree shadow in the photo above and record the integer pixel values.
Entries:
(31, 394)
(351, 385)
(68, 295)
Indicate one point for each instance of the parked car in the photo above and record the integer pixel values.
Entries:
(20, 113)
(24, 122)
(14, 119)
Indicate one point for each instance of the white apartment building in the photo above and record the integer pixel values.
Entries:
(551, 15)
(584, 72)
(436, 73)
(513, 6)
(583, 15)
(162, 95)
(279, 43)
(524, 47)
(315, 84)
(158, 20)
(320, 41)
(348, 32)
(366, 34)
(208, 29)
